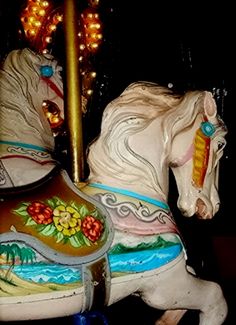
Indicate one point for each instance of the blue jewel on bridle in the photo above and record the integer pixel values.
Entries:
(207, 128)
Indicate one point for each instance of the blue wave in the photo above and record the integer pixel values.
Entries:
(128, 262)
(144, 260)
(44, 273)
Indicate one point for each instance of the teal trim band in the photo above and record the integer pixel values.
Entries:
(158, 203)
(25, 145)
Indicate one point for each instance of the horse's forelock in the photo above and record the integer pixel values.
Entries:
(183, 113)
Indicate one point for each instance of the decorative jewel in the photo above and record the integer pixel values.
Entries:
(46, 71)
(207, 129)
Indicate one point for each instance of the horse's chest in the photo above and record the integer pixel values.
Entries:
(133, 214)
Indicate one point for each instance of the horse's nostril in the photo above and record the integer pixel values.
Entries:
(183, 212)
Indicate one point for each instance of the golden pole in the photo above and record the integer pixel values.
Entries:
(73, 105)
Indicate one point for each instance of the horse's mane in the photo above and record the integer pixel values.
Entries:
(22, 93)
(132, 112)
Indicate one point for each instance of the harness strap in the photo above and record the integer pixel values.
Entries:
(24, 145)
(13, 149)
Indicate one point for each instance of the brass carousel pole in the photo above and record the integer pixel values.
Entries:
(73, 103)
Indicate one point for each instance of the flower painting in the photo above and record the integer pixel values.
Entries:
(69, 222)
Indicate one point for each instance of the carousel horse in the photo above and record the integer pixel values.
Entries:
(65, 250)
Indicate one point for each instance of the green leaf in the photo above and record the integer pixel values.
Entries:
(51, 203)
(96, 215)
(83, 210)
(23, 214)
(104, 234)
(74, 241)
(86, 241)
(58, 201)
(83, 239)
(48, 230)
(59, 237)
(75, 206)
(21, 211)
(30, 222)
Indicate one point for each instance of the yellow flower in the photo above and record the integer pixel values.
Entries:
(67, 220)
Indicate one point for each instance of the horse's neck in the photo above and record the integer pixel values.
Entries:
(147, 175)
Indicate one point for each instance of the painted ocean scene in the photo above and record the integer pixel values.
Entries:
(122, 260)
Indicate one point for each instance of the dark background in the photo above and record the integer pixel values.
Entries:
(192, 47)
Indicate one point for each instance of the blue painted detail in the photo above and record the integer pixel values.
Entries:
(125, 262)
(44, 273)
(25, 145)
(46, 71)
(207, 129)
(146, 260)
(84, 318)
(158, 203)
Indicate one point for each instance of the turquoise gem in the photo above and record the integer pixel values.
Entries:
(207, 128)
(46, 71)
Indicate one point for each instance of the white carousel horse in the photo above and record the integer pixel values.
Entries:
(144, 132)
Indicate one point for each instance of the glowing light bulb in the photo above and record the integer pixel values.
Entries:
(41, 12)
(48, 39)
(37, 23)
(52, 27)
(31, 19)
(34, 9)
(31, 32)
(45, 4)
(89, 92)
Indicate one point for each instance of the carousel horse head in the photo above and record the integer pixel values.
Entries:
(198, 140)
(148, 129)
(31, 112)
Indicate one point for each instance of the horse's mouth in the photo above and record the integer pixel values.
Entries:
(202, 212)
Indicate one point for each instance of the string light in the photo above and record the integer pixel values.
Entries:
(40, 20)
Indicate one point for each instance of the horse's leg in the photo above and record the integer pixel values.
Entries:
(172, 317)
(176, 288)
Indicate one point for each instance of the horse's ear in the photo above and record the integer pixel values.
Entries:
(209, 105)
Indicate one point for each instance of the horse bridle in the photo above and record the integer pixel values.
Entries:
(199, 152)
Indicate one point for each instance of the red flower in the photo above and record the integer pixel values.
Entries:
(40, 213)
(92, 228)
